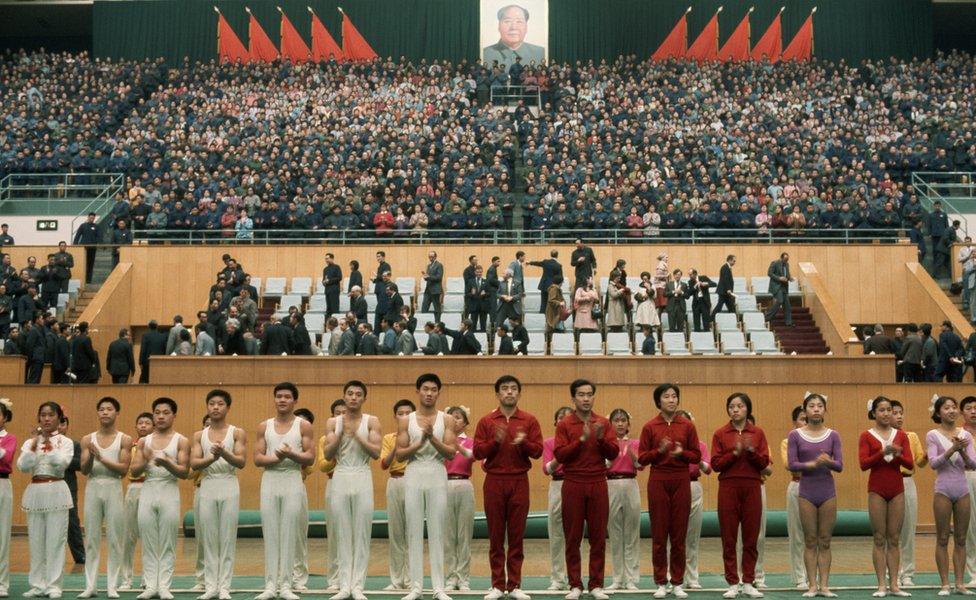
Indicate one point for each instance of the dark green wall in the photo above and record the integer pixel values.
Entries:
(578, 29)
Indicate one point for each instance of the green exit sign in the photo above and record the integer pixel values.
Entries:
(47, 224)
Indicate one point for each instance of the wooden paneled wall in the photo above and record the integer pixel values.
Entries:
(828, 314)
(772, 406)
(335, 370)
(869, 280)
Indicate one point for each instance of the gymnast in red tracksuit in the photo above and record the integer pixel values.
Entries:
(585, 441)
(669, 443)
(739, 455)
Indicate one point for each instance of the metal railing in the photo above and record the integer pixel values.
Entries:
(501, 236)
(98, 189)
(502, 94)
(954, 189)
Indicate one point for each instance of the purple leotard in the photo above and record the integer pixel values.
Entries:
(950, 474)
(816, 485)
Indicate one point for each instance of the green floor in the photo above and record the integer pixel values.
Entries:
(846, 586)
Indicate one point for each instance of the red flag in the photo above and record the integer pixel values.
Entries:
(229, 46)
(354, 45)
(676, 44)
(770, 45)
(737, 46)
(292, 45)
(801, 48)
(261, 47)
(706, 45)
(324, 47)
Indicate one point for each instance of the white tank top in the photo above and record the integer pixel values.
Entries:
(155, 472)
(112, 453)
(351, 456)
(292, 437)
(427, 453)
(219, 467)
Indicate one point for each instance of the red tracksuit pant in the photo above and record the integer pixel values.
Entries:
(506, 510)
(739, 505)
(669, 503)
(585, 502)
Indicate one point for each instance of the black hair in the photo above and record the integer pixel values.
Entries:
(745, 400)
(403, 402)
(578, 383)
(897, 404)
(507, 379)
(8, 415)
(144, 415)
(938, 406)
(53, 406)
(810, 397)
(965, 401)
(164, 400)
(221, 393)
(304, 413)
(561, 409)
(659, 391)
(354, 264)
(355, 383)
(110, 400)
(618, 412)
(288, 387)
(429, 378)
(876, 402)
(336, 404)
(797, 410)
(453, 409)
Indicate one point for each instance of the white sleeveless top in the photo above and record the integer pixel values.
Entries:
(219, 467)
(427, 453)
(274, 440)
(112, 453)
(351, 456)
(156, 473)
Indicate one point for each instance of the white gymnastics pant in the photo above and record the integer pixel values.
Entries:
(425, 494)
(220, 502)
(130, 508)
(47, 535)
(351, 501)
(199, 526)
(103, 504)
(623, 527)
(396, 516)
(794, 529)
(907, 541)
(557, 538)
(159, 522)
(693, 536)
(281, 503)
(299, 574)
(458, 530)
(6, 514)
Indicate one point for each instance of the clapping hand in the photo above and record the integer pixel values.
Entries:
(217, 450)
(500, 434)
(823, 460)
(598, 429)
(677, 450)
(586, 431)
(663, 446)
(519, 437)
(283, 451)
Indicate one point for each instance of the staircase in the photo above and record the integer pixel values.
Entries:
(84, 298)
(956, 299)
(804, 337)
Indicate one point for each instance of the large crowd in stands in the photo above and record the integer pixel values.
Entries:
(388, 148)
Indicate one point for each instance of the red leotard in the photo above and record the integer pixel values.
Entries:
(885, 479)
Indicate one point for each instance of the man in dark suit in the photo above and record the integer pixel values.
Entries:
(877, 342)
(332, 281)
(84, 359)
(434, 290)
(76, 541)
(381, 267)
(701, 300)
(120, 362)
(357, 304)
(382, 300)
(34, 345)
(463, 340)
(88, 235)
(277, 338)
(476, 302)
(910, 358)
(550, 270)
(153, 344)
(950, 355)
(491, 277)
(726, 287)
(584, 264)
(436, 341)
(368, 344)
(50, 276)
(62, 356)
(505, 346)
(467, 275)
(63, 258)
(648, 347)
(509, 298)
(394, 305)
(520, 336)
(779, 289)
(347, 339)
